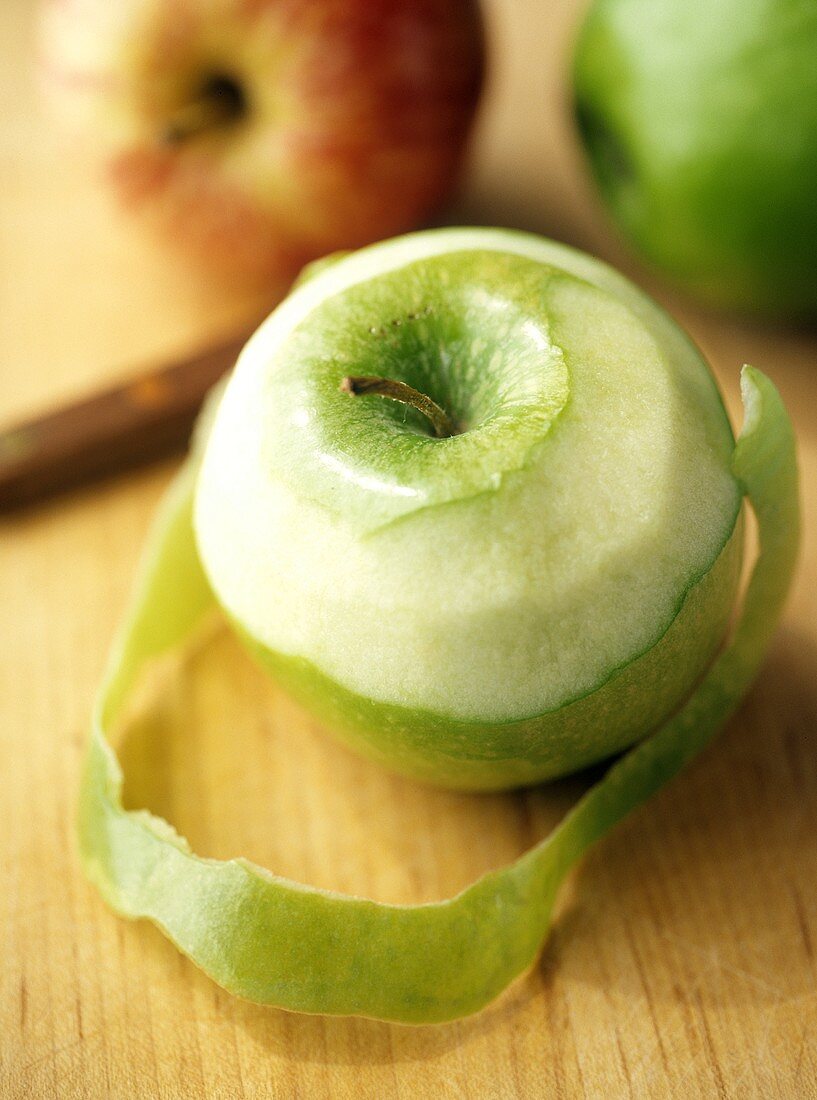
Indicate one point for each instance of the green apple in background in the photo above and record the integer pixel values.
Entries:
(468, 495)
(700, 120)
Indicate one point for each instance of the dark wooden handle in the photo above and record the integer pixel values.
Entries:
(109, 432)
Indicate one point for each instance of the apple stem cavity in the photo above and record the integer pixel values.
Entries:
(366, 385)
(219, 102)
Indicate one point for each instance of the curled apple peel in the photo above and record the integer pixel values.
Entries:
(283, 943)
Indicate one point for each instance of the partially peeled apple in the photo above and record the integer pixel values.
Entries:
(474, 499)
(521, 583)
(257, 135)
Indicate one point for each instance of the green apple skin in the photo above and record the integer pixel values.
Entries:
(700, 120)
(506, 605)
(490, 756)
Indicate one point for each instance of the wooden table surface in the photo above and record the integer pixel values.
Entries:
(683, 963)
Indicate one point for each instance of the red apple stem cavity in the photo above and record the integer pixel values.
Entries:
(219, 102)
(364, 385)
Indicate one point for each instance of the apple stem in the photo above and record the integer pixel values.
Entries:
(219, 102)
(390, 388)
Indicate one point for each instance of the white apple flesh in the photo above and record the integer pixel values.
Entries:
(260, 134)
(509, 603)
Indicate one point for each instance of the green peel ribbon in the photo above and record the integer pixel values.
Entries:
(278, 942)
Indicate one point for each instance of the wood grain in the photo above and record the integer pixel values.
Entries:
(683, 963)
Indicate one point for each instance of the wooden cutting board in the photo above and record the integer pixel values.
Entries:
(683, 963)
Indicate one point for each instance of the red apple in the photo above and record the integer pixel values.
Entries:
(256, 131)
